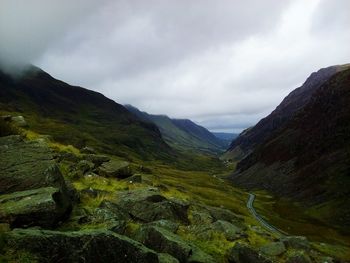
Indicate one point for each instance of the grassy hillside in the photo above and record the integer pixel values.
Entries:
(308, 159)
(183, 134)
(74, 115)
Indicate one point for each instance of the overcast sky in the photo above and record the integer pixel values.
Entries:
(224, 64)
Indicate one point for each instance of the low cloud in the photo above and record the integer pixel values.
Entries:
(223, 64)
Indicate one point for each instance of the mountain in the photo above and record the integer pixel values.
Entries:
(225, 137)
(182, 134)
(296, 100)
(77, 116)
(308, 157)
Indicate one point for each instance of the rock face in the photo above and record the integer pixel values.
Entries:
(243, 254)
(116, 169)
(149, 205)
(307, 159)
(34, 191)
(165, 241)
(84, 246)
(44, 206)
(273, 249)
(296, 100)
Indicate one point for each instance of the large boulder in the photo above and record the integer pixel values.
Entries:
(164, 241)
(241, 253)
(116, 169)
(296, 242)
(27, 165)
(19, 121)
(273, 249)
(299, 257)
(33, 189)
(149, 205)
(89, 246)
(204, 214)
(208, 231)
(44, 206)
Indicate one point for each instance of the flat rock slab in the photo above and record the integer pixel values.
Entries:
(44, 207)
(89, 246)
(164, 241)
(26, 165)
(241, 253)
(273, 249)
(148, 205)
(32, 188)
(116, 169)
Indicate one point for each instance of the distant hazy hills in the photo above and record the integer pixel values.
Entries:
(183, 134)
(302, 149)
(77, 116)
(226, 137)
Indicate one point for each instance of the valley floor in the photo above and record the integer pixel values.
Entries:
(196, 215)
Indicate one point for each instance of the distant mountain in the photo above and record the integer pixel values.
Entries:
(308, 157)
(182, 134)
(296, 100)
(77, 116)
(226, 137)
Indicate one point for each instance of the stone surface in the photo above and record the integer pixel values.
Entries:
(149, 205)
(166, 258)
(89, 246)
(19, 121)
(44, 207)
(97, 159)
(241, 253)
(32, 187)
(273, 249)
(297, 242)
(116, 169)
(88, 150)
(84, 166)
(166, 224)
(162, 240)
(298, 257)
(27, 165)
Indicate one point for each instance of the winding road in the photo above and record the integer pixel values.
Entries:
(262, 221)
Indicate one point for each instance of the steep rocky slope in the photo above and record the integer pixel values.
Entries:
(77, 116)
(296, 100)
(308, 157)
(182, 134)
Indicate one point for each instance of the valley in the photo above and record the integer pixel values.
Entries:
(82, 175)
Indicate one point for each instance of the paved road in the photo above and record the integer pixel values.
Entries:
(252, 210)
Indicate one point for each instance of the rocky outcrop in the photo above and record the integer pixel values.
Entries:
(89, 246)
(241, 253)
(116, 169)
(27, 165)
(149, 205)
(273, 249)
(165, 241)
(34, 191)
(45, 206)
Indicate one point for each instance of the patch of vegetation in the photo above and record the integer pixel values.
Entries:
(217, 246)
(6, 128)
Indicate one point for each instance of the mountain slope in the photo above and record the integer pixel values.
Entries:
(77, 116)
(296, 100)
(182, 134)
(226, 137)
(308, 158)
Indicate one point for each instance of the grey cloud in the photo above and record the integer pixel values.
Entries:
(224, 64)
(28, 28)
